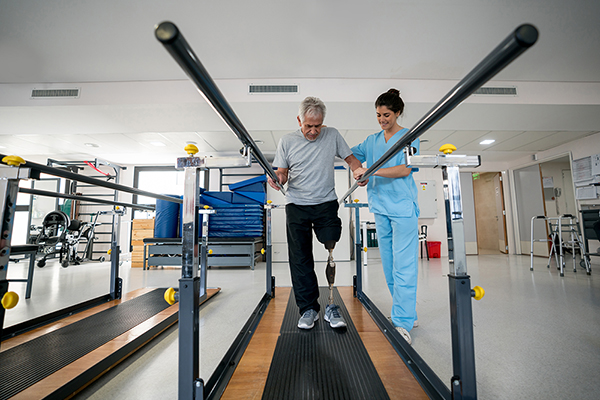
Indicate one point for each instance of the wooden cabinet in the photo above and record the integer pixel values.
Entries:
(142, 228)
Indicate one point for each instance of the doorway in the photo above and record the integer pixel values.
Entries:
(490, 214)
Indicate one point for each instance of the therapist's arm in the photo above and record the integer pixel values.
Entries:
(399, 171)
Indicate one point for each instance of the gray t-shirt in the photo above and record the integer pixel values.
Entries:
(311, 177)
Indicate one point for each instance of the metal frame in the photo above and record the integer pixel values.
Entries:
(463, 385)
(192, 291)
(555, 226)
(75, 166)
(463, 382)
(9, 188)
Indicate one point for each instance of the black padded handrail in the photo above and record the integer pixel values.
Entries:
(92, 181)
(168, 34)
(84, 199)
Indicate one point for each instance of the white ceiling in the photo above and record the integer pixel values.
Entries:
(345, 52)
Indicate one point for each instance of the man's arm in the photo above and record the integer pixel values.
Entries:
(353, 162)
(282, 176)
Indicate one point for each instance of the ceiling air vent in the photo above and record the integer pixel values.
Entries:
(497, 91)
(270, 89)
(55, 93)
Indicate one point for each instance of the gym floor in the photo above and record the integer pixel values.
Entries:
(536, 334)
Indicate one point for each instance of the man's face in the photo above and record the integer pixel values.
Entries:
(311, 127)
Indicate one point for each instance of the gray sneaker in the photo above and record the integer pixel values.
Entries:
(332, 315)
(307, 321)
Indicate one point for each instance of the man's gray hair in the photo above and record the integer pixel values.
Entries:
(312, 106)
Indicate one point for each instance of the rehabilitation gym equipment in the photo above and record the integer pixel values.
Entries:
(329, 374)
(55, 355)
(568, 225)
(591, 230)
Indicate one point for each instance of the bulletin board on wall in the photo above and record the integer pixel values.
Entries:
(586, 172)
(427, 199)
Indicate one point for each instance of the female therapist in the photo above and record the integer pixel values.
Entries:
(393, 199)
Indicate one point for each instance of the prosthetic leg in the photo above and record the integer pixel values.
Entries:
(332, 311)
(330, 269)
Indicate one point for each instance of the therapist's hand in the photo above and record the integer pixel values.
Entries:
(358, 173)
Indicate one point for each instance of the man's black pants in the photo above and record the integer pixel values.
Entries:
(300, 221)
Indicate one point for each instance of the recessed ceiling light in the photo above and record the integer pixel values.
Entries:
(158, 144)
(487, 141)
(91, 145)
(258, 141)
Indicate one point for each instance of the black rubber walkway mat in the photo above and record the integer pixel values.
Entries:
(321, 363)
(28, 363)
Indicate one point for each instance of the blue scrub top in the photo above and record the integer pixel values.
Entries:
(396, 197)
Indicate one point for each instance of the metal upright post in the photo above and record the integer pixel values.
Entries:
(189, 290)
(204, 251)
(269, 252)
(357, 246)
(463, 383)
(9, 189)
(192, 288)
(116, 282)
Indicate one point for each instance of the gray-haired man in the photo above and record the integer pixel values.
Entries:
(305, 160)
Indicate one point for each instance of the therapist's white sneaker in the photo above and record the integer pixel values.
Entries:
(404, 333)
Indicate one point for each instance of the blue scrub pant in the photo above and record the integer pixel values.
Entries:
(398, 242)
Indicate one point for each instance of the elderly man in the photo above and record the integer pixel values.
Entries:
(305, 160)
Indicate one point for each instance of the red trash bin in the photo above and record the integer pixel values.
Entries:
(435, 249)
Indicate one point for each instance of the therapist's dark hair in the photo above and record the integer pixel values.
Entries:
(392, 100)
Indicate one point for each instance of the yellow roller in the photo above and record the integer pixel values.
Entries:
(206, 207)
(14, 161)
(356, 200)
(269, 201)
(9, 300)
(191, 149)
(365, 249)
(477, 292)
(210, 251)
(262, 251)
(447, 148)
(170, 296)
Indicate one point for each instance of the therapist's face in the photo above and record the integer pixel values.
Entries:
(386, 117)
(311, 127)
